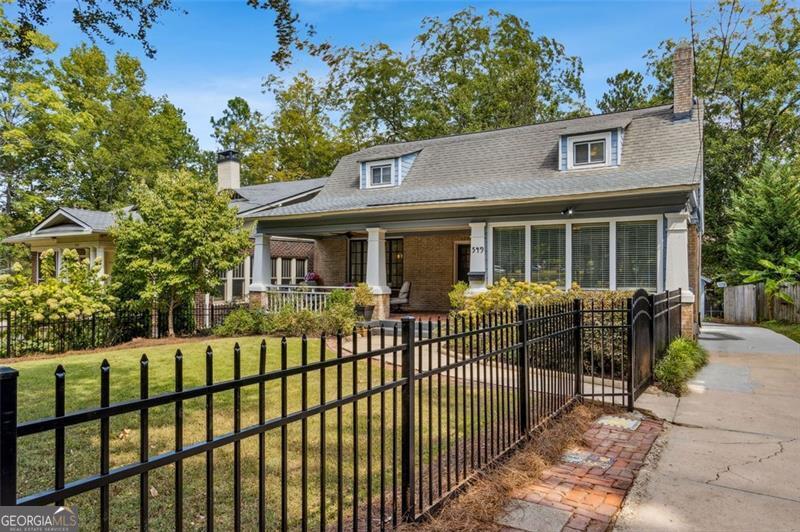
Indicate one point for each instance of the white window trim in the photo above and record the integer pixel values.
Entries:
(588, 138)
(392, 172)
(612, 243)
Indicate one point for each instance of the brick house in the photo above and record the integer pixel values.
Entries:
(611, 201)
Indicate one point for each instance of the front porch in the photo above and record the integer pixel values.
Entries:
(430, 261)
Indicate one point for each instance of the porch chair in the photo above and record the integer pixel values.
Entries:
(402, 296)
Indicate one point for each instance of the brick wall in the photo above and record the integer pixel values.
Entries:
(428, 264)
(330, 260)
(293, 249)
(682, 74)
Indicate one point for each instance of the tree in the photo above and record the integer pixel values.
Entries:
(127, 136)
(246, 130)
(305, 142)
(764, 217)
(181, 236)
(467, 73)
(34, 126)
(748, 77)
(627, 90)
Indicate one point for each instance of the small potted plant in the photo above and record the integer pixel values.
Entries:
(363, 301)
(312, 279)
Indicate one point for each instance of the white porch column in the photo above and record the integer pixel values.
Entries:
(678, 255)
(477, 258)
(376, 260)
(100, 258)
(262, 264)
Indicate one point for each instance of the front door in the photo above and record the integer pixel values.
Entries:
(462, 262)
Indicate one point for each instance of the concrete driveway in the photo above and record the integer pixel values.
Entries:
(730, 459)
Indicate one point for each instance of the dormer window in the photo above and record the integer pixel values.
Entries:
(590, 152)
(381, 175)
(378, 174)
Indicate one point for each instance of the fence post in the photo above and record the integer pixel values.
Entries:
(8, 334)
(8, 436)
(577, 317)
(522, 368)
(651, 300)
(94, 330)
(631, 354)
(407, 493)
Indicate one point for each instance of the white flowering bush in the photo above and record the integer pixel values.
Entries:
(79, 290)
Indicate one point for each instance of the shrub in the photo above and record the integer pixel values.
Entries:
(458, 296)
(338, 318)
(340, 297)
(362, 295)
(291, 322)
(243, 322)
(682, 360)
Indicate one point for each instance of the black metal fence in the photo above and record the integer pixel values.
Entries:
(347, 432)
(23, 335)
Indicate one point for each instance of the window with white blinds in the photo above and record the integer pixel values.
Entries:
(238, 281)
(548, 254)
(508, 250)
(590, 259)
(637, 264)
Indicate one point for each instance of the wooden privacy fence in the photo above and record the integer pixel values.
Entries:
(367, 438)
(749, 303)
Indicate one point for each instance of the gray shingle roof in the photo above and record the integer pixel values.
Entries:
(98, 221)
(255, 196)
(518, 163)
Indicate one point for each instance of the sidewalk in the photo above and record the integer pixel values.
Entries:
(730, 456)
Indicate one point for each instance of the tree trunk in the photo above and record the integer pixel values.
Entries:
(154, 320)
(171, 318)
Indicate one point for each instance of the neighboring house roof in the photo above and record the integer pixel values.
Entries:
(517, 163)
(259, 197)
(71, 221)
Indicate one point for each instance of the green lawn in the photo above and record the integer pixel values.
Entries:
(36, 399)
(789, 330)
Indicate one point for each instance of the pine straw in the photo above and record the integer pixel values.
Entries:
(483, 501)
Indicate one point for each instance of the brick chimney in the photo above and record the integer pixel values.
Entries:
(682, 79)
(228, 168)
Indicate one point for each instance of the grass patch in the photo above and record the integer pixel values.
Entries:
(789, 330)
(361, 428)
(682, 360)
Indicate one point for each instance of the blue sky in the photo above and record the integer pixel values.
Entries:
(221, 48)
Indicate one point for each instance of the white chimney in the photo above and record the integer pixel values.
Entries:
(228, 167)
(682, 79)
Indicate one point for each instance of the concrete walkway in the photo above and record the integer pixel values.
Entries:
(730, 459)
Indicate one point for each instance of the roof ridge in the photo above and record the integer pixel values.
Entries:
(465, 134)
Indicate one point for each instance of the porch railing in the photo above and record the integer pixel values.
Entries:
(299, 297)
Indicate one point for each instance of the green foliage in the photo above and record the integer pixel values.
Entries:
(789, 330)
(180, 236)
(291, 322)
(362, 295)
(765, 219)
(776, 276)
(340, 296)
(458, 295)
(627, 90)
(682, 360)
(79, 290)
(748, 78)
(466, 73)
(243, 322)
(338, 318)
(506, 295)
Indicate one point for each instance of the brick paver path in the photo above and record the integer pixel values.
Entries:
(594, 496)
